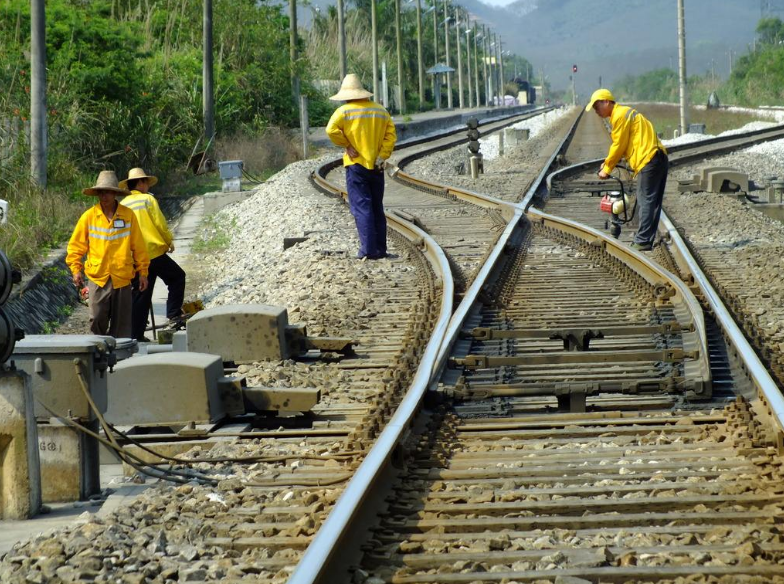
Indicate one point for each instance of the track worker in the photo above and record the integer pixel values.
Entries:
(365, 130)
(634, 139)
(109, 235)
(158, 237)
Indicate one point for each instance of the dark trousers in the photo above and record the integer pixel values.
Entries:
(650, 196)
(173, 276)
(366, 201)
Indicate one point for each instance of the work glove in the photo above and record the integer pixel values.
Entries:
(380, 164)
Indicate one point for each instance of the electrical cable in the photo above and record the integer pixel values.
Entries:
(112, 443)
(165, 474)
(251, 178)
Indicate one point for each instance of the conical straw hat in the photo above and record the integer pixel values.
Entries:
(351, 88)
(137, 173)
(107, 181)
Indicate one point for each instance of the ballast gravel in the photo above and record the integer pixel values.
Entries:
(507, 177)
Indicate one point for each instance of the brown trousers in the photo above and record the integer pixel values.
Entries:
(110, 310)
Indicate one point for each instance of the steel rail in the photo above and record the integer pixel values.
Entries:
(693, 318)
(496, 124)
(754, 367)
(463, 309)
(314, 564)
(766, 386)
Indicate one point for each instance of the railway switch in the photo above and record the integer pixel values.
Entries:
(171, 388)
(66, 372)
(254, 332)
(175, 389)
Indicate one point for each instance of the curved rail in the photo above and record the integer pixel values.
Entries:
(688, 311)
(765, 385)
(315, 563)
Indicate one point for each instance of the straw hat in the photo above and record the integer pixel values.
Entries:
(351, 88)
(107, 181)
(137, 173)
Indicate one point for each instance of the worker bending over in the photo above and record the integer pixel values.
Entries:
(109, 235)
(634, 138)
(365, 130)
(158, 238)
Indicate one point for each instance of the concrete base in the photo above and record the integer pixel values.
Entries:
(214, 202)
(20, 477)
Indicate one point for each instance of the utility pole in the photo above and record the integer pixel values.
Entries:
(730, 54)
(478, 102)
(460, 101)
(342, 40)
(468, 62)
(684, 127)
(544, 88)
(374, 42)
(487, 66)
(496, 70)
(400, 92)
(436, 80)
(446, 48)
(503, 77)
(208, 101)
(38, 126)
(420, 64)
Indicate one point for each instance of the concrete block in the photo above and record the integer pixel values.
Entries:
(170, 389)
(240, 332)
(69, 463)
(727, 181)
(20, 478)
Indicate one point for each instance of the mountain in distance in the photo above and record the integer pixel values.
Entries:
(619, 38)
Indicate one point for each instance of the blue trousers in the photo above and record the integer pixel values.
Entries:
(366, 201)
(650, 195)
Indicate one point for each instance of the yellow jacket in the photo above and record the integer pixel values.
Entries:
(155, 229)
(367, 127)
(633, 138)
(115, 249)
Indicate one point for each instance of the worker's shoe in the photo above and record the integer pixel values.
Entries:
(642, 246)
(175, 324)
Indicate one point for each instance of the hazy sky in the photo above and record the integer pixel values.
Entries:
(497, 2)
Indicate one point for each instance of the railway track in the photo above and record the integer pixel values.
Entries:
(535, 402)
(650, 476)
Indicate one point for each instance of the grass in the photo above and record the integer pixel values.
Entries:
(213, 235)
(666, 118)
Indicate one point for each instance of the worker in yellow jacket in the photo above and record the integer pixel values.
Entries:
(109, 235)
(365, 129)
(158, 237)
(634, 138)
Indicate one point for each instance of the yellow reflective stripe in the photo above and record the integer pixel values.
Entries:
(119, 235)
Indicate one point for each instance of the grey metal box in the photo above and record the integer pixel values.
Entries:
(49, 361)
(230, 169)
